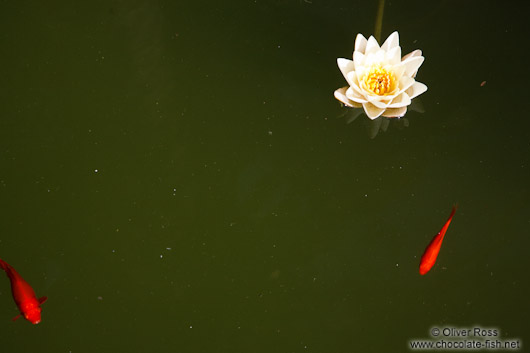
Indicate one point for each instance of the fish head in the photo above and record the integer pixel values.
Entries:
(31, 311)
(424, 268)
(33, 314)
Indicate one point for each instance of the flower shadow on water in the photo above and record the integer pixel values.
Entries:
(373, 127)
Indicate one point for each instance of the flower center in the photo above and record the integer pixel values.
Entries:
(379, 80)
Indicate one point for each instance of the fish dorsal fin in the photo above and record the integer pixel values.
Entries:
(42, 300)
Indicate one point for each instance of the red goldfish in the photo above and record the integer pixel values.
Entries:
(431, 252)
(24, 296)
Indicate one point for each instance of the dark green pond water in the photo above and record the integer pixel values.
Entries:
(177, 176)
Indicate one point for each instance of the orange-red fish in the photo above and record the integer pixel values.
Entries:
(431, 252)
(24, 296)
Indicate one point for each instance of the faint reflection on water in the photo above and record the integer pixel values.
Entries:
(373, 127)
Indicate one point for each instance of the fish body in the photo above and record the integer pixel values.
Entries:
(24, 295)
(431, 252)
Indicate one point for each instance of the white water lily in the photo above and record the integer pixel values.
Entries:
(380, 80)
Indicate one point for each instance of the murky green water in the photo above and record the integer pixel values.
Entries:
(177, 177)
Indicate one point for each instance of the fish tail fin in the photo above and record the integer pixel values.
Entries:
(8, 268)
(455, 207)
(4, 265)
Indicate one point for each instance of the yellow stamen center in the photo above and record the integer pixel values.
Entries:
(379, 80)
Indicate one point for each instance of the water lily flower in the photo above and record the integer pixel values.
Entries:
(379, 80)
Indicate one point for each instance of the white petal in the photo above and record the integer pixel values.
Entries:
(412, 65)
(405, 82)
(345, 66)
(416, 89)
(369, 59)
(395, 112)
(372, 45)
(360, 43)
(416, 52)
(353, 95)
(398, 70)
(400, 101)
(393, 56)
(372, 111)
(353, 81)
(340, 95)
(391, 42)
(358, 59)
(380, 56)
(378, 103)
(374, 57)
